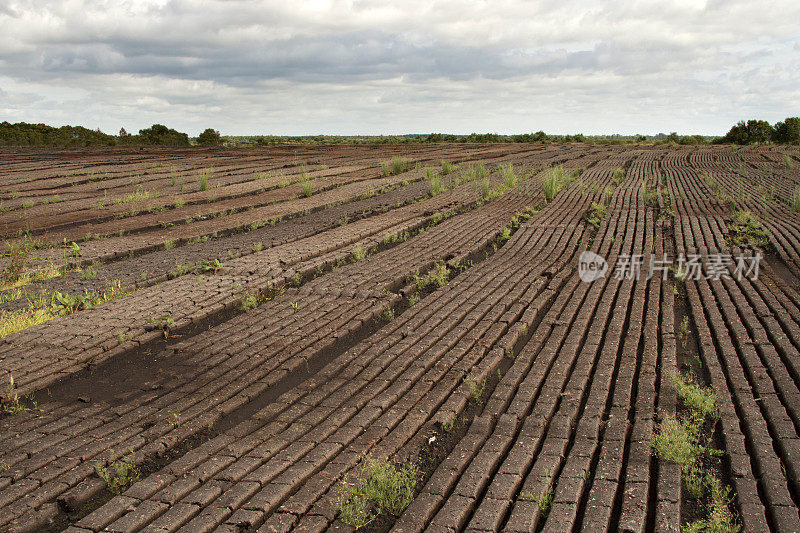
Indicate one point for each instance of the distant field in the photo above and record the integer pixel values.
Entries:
(399, 338)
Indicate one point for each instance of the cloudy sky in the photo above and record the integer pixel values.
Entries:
(379, 67)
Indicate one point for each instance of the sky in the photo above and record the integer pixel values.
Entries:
(371, 67)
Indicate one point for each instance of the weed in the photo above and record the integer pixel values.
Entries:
(507, 173)
(544, 499)
(618, 176)
(9, 402)
(447, 168)
(787, 161)
(344, 220)
(258, 246)
(138, 195)
(436, 278)
(555, 180)
(382, 486)
(120, 473)
(27, 204)
(18, 257)
(746, 228)
(308, 187)
(202, 182)
(475, 389)
(75, 250)
(387, 313)
(485, 191)
(88, 272)
(296, 306)
(414, 299)
(649, 194)
(448, 422)
(175, 419)
(434, 183)
(169, 244)
(596, 214)
(683, 332)
(208, 266)
(701, 400)
(795, 200)
(250, 301)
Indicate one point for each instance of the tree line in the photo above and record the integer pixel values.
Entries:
(24, 134)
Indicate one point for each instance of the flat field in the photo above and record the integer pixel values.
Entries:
(400, 338)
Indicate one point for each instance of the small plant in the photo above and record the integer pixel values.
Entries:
(434, 183)
(596, 214)
(26, 204)
(618, 176)
(359, 253)
(175, 419)
(17, 258)
(485, 190)
(344, 220)
(683, 333)
(787, 161)
(88, 272)
(120, 473)
(414, 299)
(649, 194)
(381, 487)
(795, 200)
(436, 278)
(746, 228)
(258, 246)
(213, 267)
(554, 181)
(448, 422)
(387, 313)
(202, 182)
(475, 389)
(447, 168)
(507, 173)
(308, 187)
(250, 301)
(169, 244)
(296, 306)
(75, 250)
(165, 324)
(9, 402)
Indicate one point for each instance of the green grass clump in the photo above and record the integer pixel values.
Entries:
(9, 402)
(787, 162)
(683, 441)
(746, 228)
(436, 278)
(618, 176)
(396, 165)
(596, 214)
(447, 167)
(555, 180)
(434, 183)
(308, 187)
(120, 473)
(250, 301)
(509, 178)
(381, 487)
(795, 201)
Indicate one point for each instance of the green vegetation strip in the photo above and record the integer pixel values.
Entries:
(686, 441)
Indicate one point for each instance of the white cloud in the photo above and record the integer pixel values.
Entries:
(368, 66)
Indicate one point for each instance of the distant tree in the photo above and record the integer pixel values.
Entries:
(123, 133)
(750, 132)
(161, 135)
(209, 136)
(788, 131)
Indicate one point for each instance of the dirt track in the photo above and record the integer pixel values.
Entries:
(245, 420)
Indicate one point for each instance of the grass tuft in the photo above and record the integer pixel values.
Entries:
(381, 487)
